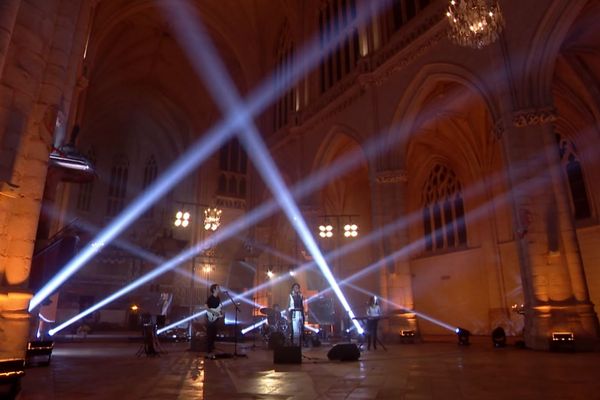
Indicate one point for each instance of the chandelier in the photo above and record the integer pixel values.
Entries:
(212, 219)
(474, 23)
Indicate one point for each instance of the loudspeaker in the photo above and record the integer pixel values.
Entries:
(287, 355)
(277, 339)
(344, 352)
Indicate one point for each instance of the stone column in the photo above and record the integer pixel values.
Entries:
(556, 297)
(8, 16)
(43, 36)
(389, 207)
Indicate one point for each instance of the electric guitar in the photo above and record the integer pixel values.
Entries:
(213, 314)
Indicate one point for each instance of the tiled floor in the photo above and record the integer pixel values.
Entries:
(440, 370)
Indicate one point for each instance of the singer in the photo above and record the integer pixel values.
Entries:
(296, 311)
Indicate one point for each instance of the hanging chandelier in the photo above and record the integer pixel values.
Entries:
(212, 219)
(474, 23)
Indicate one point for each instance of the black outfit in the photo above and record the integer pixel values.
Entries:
(372, 332)
(211, 327)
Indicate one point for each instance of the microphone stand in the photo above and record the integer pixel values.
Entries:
(235, 330)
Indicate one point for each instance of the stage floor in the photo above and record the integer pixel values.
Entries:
(430, 370)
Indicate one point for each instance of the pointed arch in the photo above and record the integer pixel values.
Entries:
(405, 117)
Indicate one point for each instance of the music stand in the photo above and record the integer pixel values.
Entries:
(376, 338)
(235, 328)
(150, 345)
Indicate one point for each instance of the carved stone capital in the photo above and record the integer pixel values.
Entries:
(392, 176)
(534, 117)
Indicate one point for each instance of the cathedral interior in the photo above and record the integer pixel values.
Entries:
(438, 155)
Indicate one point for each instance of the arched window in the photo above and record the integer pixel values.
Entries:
(84, 197)
(233, 160)
(334, 17)
(443, 210)
(400, 12)
(288, 100)
(117, 189)
(574, 173)
(150, 174)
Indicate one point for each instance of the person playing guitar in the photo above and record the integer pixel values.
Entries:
(213, 314)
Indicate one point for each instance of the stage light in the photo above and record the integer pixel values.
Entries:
(350, 230)
(563, 337)
(134, 308)
(182, 219)
(311, 328)
(562, 341)
(251, 327)
(463, 336)
(499, 337)
(292, 273)
(270, 274)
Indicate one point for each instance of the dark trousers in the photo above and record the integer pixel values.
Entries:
(211, 336)
(372, 333)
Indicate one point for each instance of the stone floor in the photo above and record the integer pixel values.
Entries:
(430, 370)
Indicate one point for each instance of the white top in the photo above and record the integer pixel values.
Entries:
(292, 305)
(374, 311)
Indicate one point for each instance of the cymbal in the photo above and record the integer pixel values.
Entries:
(266, 311)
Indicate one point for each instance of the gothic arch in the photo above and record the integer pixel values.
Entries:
(408, 109)
(338, 135)
(536, 79)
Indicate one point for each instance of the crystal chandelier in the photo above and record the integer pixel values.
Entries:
(212, 219)
(474, 23)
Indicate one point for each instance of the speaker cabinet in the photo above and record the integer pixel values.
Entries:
(344, 352)
(287, 355)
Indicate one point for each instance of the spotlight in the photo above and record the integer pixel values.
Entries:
(499, 337)
(350, 230)
(562, 341)
(463, 336)
(254, 326)
(270, 274)
(292, 273)
(182, 219)
(407, 336)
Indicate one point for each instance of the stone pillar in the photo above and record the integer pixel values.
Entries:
(43, 36)
(556, 296)
(389, 207)
(8, 16)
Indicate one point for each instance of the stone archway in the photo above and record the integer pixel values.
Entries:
(346, 200)
(460, 274)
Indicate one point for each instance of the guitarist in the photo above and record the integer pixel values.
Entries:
(213, 315)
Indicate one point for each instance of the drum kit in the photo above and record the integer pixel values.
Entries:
(277, 325)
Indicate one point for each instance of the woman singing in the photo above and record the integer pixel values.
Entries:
(296, 310)
(374, 313)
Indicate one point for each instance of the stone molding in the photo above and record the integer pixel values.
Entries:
(373, 71)
(542, 116)
(392, 176)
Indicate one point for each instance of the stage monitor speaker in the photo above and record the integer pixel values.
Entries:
(277, 339)
(287, 355)
(344, 352)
